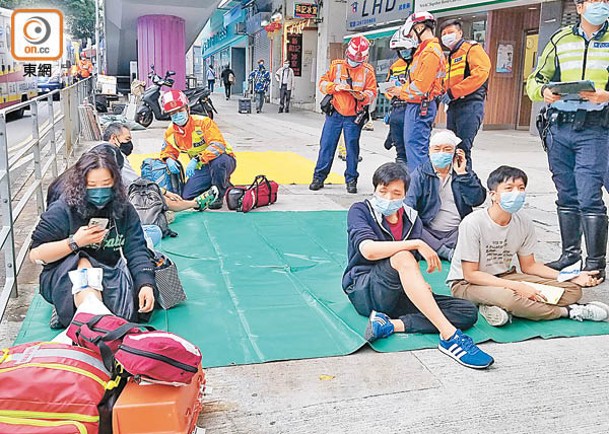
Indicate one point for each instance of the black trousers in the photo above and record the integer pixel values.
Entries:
(284, 98)
(382, 290)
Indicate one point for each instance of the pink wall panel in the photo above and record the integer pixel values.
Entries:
(160, 42)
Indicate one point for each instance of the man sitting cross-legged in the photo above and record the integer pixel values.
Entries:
(482, 272)
(444, 191)
(383, 273)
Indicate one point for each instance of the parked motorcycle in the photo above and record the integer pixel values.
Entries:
(149, 108)
(205, 104)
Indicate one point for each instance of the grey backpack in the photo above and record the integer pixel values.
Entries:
(148, 201)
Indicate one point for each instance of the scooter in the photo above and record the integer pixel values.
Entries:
(205, 104)
(150, 108)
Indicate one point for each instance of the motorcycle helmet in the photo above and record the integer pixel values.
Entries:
(357, 50)
(173, 100)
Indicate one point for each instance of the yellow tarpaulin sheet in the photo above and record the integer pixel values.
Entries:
(281, 167)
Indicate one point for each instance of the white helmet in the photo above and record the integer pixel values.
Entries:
(400, 42)
(416, 18)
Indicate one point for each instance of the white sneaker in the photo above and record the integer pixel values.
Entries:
(588, 312)
(601, 305)
(494, 315)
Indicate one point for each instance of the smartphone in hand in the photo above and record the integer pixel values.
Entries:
(101, 222)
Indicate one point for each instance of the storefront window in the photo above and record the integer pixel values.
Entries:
(381, 57)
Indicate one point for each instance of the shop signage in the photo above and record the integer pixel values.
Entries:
(441, 5)
(366, 13)
(233, 15)
(305, 10)
(294, 53)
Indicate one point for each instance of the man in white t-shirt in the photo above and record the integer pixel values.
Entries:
(481, 269)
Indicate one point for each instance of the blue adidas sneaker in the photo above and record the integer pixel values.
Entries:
(463, 349)
(379, 326)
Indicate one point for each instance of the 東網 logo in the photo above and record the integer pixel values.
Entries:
(37, 34)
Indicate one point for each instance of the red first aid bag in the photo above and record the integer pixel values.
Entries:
(101, 333)
(160, 357)
(14, 425)
(48, 387)
(260, 193)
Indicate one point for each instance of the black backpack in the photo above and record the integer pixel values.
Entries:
(148, 201)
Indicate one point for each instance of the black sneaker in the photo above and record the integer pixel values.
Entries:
(216, 204)
(316, 185)
(352, 187)
(280, 110)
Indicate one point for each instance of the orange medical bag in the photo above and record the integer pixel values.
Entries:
(158, 408)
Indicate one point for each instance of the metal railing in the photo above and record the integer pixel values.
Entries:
(27, 165)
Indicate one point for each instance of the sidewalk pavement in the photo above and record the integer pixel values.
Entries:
(540, 386)
(557, 385)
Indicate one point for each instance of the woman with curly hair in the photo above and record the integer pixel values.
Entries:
(90, 242)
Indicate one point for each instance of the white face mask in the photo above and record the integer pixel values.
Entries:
(450, 40)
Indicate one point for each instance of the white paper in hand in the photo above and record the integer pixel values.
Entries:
(570, 272)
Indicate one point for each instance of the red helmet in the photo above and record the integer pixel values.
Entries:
(358, 48)
(173, 100)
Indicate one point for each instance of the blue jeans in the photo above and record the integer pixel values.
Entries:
(152, 233)
(464, 119)
(210, 84)
(396, 129)
(259, 100)
(217, 172)
(417, 131)
(578, 162)
(329, 141)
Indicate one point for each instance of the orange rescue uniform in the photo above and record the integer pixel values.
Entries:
(363, 79)
(426, 73)
(200, 137)
(467, 71)
(85, 68)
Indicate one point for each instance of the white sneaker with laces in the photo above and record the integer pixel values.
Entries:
(494, 315)
(587, 312)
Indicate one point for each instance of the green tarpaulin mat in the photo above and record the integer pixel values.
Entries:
(267, 286)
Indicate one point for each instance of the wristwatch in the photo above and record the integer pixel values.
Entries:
(73, 246)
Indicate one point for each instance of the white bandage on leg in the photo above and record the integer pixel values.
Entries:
(95, 277)
(86, 278)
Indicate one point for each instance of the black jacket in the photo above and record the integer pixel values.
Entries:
(60, 221)
(225, 73)
(363, 223)
(424, 192)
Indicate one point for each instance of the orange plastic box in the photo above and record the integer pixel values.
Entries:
(159, 409)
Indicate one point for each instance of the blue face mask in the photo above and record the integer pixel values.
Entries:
(261, 66)
(441, 160)
(385, 206)
(99, 197)
(512, 201)
(596, 13)
(405, 53)
(180, 118)
(353, 64)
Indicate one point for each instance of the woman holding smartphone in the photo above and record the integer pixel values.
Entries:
(91, 244)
